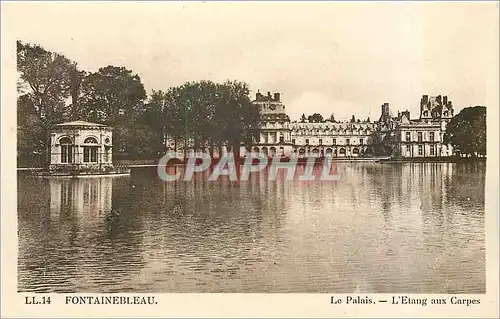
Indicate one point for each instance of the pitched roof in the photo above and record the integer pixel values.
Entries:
(80, 123)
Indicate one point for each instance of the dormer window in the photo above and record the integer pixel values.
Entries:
(446, 113)
(426, 113)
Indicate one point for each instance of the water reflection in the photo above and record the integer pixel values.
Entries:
(76, 248)
(381, 228)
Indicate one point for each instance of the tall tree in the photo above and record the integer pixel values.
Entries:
(113, 96)
(153, 120)
(111, 92)
(44, 78)
(43, 88)
(467, 131)
(205, 114)
(242, 116)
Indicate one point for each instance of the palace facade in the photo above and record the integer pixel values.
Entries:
(403, 136)
(278, 135)
(388, 136)
(424, 136)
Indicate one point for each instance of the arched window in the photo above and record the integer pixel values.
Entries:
(90, 140)
(65, 140)
(90, 152)
(66, 150)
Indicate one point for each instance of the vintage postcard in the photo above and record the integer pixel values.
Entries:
(249, 159)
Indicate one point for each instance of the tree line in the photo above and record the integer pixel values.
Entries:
(203, 115)
(53, 89)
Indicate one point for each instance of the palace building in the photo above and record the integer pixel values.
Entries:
(422, 137)
(279, 136)
(395, 135)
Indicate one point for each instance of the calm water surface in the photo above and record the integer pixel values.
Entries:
(383, 228)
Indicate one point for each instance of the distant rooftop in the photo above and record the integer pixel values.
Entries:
(259, 97)
(80, 123)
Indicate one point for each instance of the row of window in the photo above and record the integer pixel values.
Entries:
(420, 137)
(342, 132)
(445, 113)
(89, 154)
(420, 150)
(334, 141)
(89, 140)
(267, 140)
(272, 124)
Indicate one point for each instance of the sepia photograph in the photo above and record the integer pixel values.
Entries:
(253, 147)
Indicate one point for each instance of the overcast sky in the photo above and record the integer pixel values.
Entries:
(326, 57)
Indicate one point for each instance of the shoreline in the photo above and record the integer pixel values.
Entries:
(381, 160)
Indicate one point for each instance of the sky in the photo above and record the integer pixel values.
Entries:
(325, 57)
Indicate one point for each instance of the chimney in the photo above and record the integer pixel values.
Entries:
(269, 95)
(425, 99)
(438, 98)
(258, 96)
(385, 109)
(445, 100)
(277, 97)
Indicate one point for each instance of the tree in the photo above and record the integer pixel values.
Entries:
(189, 115)
(353, 119)
(241, 117)
(110, 93)
(315, 118)
(43, 88)
(44, 79)
(153, 120)
(332, 118)
(31, 132)
(382, 144)
(113, 96)
(137, 140)
(205, 114)
(466, 131)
